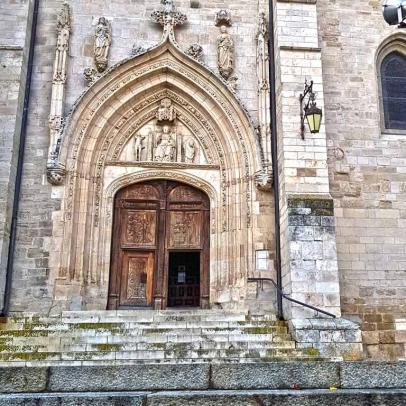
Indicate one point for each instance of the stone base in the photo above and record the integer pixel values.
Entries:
(334, 338)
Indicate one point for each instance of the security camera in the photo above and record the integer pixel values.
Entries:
(394, 12)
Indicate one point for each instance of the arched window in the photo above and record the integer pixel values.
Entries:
(393, 82)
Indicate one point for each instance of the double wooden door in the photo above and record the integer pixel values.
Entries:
(157, 225)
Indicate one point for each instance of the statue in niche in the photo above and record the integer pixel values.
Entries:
(139, 147)
(225, 53)
(102, 43)
(166, 111)
(190, 150)
(166, 147)
(62, 43)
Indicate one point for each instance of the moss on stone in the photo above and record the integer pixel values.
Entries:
(311, 351)
(108, 347)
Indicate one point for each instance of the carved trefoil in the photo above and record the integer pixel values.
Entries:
(56, 170)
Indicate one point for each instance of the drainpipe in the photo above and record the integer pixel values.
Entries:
(20, 161)
(275, 169)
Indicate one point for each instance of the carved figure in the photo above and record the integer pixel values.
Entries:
(190, 150)
(225, 53)
(102, 41)
(195, 51)
(138, 146)
(62, 43)
(166, 111)
(168, 6)
(166, 148)
(91, 75)
(223, 17)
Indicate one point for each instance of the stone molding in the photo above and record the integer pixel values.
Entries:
(104, 119)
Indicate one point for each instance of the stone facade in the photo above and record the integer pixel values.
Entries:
(342, 191)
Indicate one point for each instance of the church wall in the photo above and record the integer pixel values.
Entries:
(40, 202)
(367, 171)
(13, 70)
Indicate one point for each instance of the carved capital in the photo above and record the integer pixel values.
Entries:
(264, 180)
(55, 172)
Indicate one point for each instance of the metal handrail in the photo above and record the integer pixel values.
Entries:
(285, 296)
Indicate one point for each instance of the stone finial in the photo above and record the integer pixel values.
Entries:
(223, 17)
(167, 15)
(195, 51)
(102, 42)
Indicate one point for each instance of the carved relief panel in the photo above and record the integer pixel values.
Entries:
(137, 277)
(140, 227)
(164, 143)
(185, 229)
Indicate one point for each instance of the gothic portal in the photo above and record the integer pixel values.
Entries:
(160, 248)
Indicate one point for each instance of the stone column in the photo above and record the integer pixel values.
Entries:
(308, 242)
(310, 271)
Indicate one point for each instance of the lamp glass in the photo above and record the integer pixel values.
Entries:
(313, 117)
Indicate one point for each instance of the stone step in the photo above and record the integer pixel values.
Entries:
(146, 355)
(309, 397)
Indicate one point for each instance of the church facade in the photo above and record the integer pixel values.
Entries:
(144, 171)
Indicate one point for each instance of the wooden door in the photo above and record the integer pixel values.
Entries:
(151, 220)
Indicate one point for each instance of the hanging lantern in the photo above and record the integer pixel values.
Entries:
(309, 111)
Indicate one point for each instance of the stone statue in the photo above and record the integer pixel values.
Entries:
(63, 27)
(102, 41)
(166, 148)
(225, 53)
(168, 6)
(190, 150)
(166, 111)
(138, 146)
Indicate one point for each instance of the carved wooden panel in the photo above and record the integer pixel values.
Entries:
(140, 227)
(185, 229)
(136, 286)
(141, 192)
(184, 193)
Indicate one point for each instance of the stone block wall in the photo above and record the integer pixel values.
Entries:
(15, 30)
(367, 170)
(131, 25)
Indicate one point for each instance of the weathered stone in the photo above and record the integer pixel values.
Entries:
(275, 375)
(15, 380)
(373, 375)
(129, 378)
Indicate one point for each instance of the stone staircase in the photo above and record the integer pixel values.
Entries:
(146, 337)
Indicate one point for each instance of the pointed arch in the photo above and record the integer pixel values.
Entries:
(101, 124)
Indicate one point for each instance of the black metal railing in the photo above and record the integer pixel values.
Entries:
(287, 297)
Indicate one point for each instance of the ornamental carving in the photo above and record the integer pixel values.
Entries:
(167, 15)
(195, 51)
(164, 144)
(166, 111)
(102, 42)
(141, 227)
(225, 53)
(223, 17)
